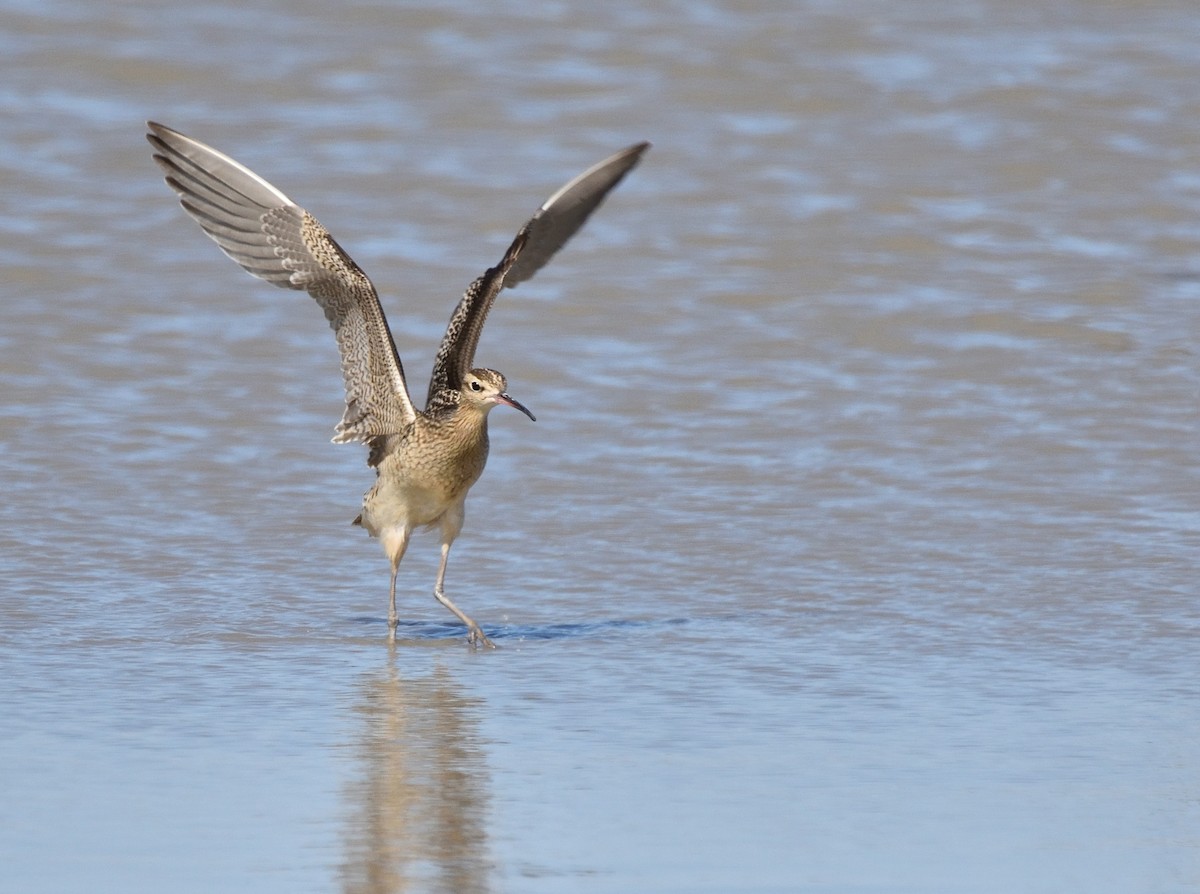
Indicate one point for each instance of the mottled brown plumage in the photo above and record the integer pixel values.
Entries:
(426, 460)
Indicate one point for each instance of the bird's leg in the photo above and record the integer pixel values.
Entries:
(393, 618)
(395, 543)
(476, 636)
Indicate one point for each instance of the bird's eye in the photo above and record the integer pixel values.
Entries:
(475, 386)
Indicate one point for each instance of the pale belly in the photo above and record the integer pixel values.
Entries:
(409, 499)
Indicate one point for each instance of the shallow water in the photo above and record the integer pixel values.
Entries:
(853, 549)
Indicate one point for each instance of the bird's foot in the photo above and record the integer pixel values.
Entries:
(475, 636)
(477, 639)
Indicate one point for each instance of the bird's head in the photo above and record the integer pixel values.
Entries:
(486, 388)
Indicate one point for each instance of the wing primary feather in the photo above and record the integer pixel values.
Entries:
(276, 240)
(551, 227)
(565, 212)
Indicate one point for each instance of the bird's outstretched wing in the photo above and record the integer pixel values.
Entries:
(275, 239)
(559, 218)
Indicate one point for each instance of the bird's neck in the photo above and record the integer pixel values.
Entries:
(467, 424)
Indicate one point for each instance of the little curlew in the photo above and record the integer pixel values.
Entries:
(425, 460)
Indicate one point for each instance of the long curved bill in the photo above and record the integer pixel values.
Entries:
(503, 398)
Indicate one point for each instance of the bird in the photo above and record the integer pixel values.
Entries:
(426, 460)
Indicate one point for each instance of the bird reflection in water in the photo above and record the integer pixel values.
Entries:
(417, 811)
